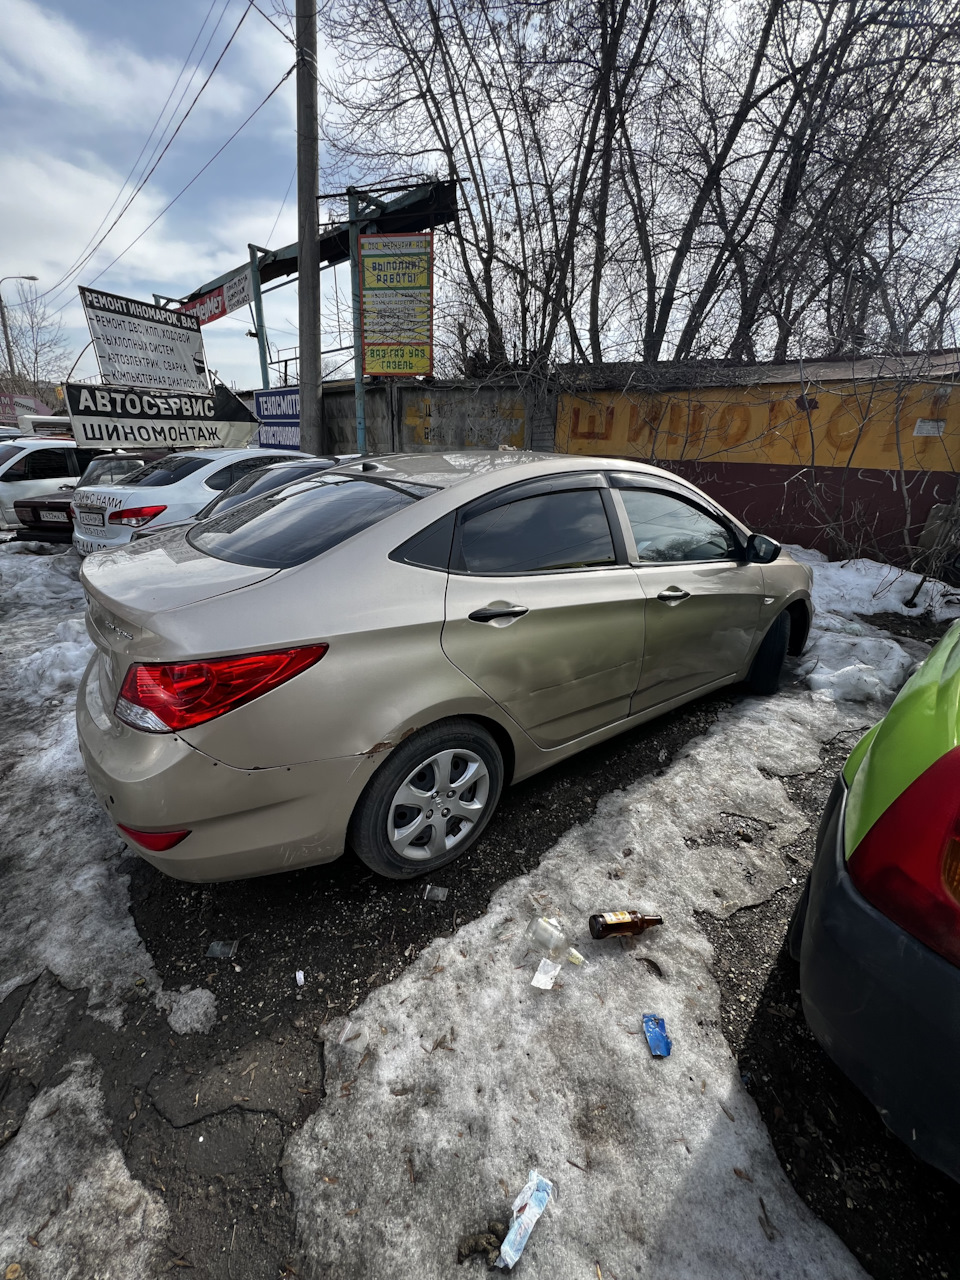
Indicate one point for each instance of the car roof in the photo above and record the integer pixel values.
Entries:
(30, 442)
(454, 467)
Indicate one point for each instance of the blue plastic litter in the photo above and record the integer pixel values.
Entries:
(527, 1208)
(655, 1030)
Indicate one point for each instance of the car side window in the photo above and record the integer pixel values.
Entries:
(561, 530)
(221, 479)
(668, 530)
(47, 464)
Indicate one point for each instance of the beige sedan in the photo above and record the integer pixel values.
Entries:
(365, 659)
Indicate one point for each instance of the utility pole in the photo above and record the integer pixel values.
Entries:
(312, 435)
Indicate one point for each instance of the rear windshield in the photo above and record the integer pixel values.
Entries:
(165, 471)
(8, 451)
(287, 528)
(109, 470)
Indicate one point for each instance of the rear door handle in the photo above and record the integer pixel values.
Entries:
(499, 611)
(673, 595)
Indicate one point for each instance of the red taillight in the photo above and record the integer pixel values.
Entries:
(165, 697)
(908, 863)
(155, 841)
(134, 516)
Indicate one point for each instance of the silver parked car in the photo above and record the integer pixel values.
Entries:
(366, 658)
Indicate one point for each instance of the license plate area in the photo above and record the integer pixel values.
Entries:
(60, 516)
(94, 518)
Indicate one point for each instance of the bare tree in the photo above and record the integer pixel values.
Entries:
(41, 350)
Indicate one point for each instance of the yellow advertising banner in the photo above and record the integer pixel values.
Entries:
(396, 304)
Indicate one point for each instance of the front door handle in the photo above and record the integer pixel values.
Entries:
(673, 595)
(498, 611)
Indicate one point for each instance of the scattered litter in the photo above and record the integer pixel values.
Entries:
(655, 1030)
(300, 978)
(13, 1272)
(527, 1208)
(486, 1242)
(347, 1033)
(222, 950)
(435, 893)
(548, 937)
(651, 965)
(616, 924)
(546, 975)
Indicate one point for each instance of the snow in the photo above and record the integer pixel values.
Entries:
(63, 1180)
(848, 658)
(191, 1010)
(65, 906)
(472, 1076)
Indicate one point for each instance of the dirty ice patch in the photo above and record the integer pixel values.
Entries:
(460, 1077)
(56, 669)
(63, 1181)
(847, 658)
(34, 573)
(64, 905)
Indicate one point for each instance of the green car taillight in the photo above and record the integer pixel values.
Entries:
(908, 863)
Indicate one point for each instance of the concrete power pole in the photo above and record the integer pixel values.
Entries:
(312, 435)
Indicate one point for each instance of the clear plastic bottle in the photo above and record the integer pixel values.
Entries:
(547, 936)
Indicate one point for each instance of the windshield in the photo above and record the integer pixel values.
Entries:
(168, 470)
(109, 470)
(287, 528)
(264, 480)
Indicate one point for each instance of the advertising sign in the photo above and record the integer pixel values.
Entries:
(141, 345)
(229, 296)
(279, 413)
(396, 304)
(124, 416)
(12, 405)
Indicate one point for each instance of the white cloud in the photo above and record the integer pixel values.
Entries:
(47, 57)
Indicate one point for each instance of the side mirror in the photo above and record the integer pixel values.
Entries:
(761, 549)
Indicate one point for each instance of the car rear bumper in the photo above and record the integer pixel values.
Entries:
(27, 533)
(242, 822)
(883, 1006)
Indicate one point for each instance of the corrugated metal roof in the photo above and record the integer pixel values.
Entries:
(912, 367)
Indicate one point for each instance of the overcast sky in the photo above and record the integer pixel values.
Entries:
(82, 85)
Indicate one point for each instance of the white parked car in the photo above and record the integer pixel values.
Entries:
(162, 493)
(33, 466)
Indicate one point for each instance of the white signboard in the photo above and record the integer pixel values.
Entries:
(929, 427)
(122, 417)
(141, 345)
(229, 296)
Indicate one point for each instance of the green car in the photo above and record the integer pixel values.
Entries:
(877, 930)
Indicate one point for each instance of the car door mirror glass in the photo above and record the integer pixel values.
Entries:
(761, 549)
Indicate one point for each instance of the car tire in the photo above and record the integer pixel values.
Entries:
(415, 814)
(764, 675)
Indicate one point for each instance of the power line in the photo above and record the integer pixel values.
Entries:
(282, 206)
(78, 261)
(198, 174)
(143, 181)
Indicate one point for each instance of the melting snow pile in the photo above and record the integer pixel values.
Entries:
(848, 659)
(64, 905)
(460, 1077)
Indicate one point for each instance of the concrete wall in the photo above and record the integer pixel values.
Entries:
(419, 417)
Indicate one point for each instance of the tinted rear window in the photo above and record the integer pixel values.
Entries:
(8, 451)
(283, 529)
(165, 471)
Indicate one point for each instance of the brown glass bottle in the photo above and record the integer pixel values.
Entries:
(615, 924)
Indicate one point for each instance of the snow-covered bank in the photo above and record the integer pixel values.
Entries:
(848, 659)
